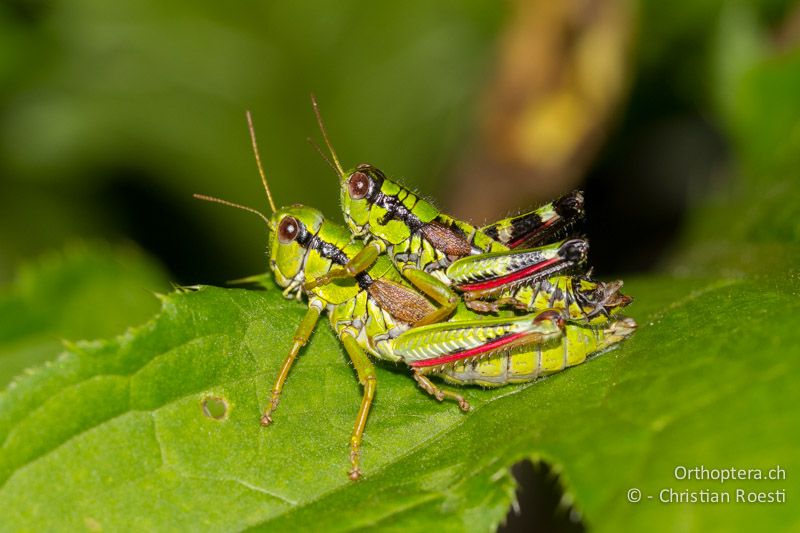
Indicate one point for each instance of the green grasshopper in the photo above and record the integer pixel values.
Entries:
(373, 313)
(437, 253)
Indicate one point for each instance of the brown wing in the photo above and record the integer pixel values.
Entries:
(401, 302)
(447, 240)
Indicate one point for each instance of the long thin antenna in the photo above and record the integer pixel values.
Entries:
(325, 136)
(258, 160)
(322, 154)
(231, 204)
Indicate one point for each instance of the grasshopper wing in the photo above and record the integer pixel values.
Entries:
(401, 302)
(449, 342)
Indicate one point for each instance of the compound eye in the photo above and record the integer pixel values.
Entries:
(288, 230)
(358, 185)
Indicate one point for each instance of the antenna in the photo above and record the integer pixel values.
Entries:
(258, 160)
(322, 154)
(231, 204)
(325, 136)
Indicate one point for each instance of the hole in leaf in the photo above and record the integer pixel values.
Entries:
(216, 408)
(541, 503)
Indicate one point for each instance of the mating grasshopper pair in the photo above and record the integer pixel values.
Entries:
(378, 292)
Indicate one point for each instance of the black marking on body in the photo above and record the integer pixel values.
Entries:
(396, 210)
(303, 237)
(492, 233)
(392, 203)
(520, 227)
(334, 253)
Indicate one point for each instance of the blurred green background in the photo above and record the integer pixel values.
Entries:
(111, 116)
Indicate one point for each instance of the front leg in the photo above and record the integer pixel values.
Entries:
(362, 261)
(301, 336)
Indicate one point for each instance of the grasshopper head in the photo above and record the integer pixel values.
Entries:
(375, 205)
(292, 229)
(359, 191)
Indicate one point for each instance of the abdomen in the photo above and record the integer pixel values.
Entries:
(578, 343)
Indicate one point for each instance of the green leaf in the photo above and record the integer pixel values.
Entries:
(123, 426)
(84, 292)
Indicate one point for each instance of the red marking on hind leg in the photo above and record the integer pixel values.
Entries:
(488, 347)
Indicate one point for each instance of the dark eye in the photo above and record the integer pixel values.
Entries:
(288, 230)
(358, 185)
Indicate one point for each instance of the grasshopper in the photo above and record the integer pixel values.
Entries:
(373, 314)
(438, 253)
